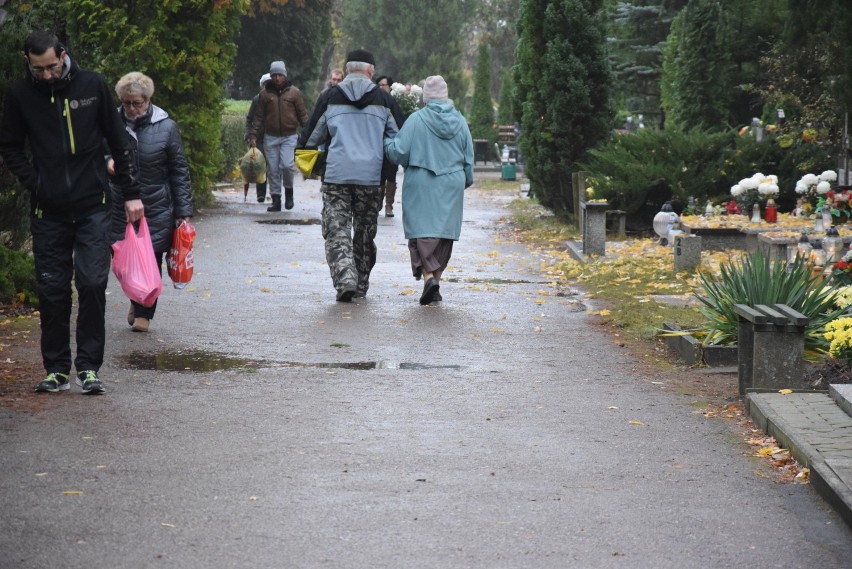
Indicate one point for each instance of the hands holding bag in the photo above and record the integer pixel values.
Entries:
(135, 265)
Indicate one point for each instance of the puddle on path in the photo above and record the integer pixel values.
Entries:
(280, 221)
(493, 281)
(203, 361)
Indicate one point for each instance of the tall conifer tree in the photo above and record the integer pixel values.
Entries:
(482, 111)
(564, 83)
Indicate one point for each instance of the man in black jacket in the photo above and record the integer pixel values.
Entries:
(66, 113)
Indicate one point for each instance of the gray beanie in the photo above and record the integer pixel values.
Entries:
(278, 67)
(435, 88)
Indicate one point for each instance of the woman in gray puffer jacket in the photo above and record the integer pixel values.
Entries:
(163, 175)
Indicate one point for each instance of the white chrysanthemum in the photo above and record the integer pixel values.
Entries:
(810, 179)
(748, 184)
(397, 89)
(737, 190)
(828, 176)
(767, 189)
(801, 188)
(823, 187)
(417, 91)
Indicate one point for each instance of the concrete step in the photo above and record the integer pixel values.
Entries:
(817, 429)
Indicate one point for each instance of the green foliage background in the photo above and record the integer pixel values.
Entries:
(698, 73)
(637, 173)
(482, 111)
(563, 80)
(411, 39)
(187, 47)
(295, 33)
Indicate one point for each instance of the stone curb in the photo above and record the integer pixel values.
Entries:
(832, 488)
(773, 424)
(825, 473)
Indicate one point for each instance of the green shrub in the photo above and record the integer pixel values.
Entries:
(644, 169)
(233, 143)
(757, 280)
(631, 170)
(17, 277)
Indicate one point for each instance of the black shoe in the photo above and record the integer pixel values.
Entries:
(276, 204)
(261, 199)
(90, 383)
(53, 383)
(438, 297)
(430, 289)
(288, 198)
(345, 295)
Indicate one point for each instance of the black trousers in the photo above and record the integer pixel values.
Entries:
(148, 311)
(66, 248)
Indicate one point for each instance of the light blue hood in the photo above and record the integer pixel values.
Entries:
(441, 118)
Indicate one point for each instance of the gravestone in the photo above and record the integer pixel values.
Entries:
(594, 227)
(687, 252)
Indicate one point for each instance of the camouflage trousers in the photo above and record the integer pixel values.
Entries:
(349, 225)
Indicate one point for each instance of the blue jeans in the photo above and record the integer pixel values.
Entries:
(280, 154)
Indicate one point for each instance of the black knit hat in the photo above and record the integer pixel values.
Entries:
(360, 55)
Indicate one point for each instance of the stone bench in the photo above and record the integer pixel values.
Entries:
(771, 347)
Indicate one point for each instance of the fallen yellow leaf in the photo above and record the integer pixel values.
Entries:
(785, 391)
(72, 492)
(637, 423)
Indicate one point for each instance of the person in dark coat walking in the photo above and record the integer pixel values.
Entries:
(280, 114)
(163, 175)
(64, 114)
(389, 168)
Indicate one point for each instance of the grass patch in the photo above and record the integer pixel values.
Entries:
(496, 184)
(538, 225)
(236, 107)
(630, 284)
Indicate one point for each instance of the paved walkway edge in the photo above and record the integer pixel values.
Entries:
(823, 476)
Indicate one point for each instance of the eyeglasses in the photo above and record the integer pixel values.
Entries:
(47, 69)
(135, 104)
(383, 84)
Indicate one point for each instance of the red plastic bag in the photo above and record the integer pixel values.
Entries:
(179, 259)
(135, 265)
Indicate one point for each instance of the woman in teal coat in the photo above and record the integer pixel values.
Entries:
(436, 150)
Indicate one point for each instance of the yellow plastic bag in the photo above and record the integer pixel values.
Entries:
(306, 161)
(253, 167)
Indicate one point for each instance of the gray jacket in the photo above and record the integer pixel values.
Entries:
(352, 119)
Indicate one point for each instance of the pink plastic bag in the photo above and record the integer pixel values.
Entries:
(135, 265)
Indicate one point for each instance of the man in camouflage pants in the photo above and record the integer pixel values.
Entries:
(352, 119)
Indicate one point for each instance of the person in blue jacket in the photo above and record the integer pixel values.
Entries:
(436, 150)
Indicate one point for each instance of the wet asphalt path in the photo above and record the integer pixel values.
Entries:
(492, 430)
